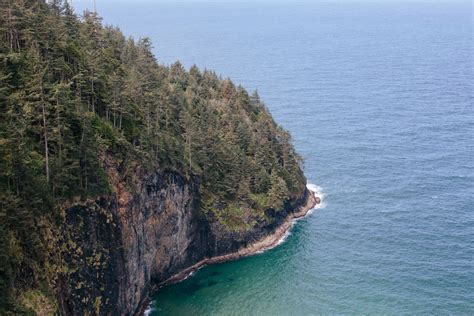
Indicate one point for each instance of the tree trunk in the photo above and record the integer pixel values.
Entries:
(46, 150)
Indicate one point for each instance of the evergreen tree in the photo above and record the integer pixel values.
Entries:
(73, 92)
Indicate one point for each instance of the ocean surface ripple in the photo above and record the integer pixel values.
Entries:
(379, 101)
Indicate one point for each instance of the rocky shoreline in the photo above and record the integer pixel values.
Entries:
(266, 243)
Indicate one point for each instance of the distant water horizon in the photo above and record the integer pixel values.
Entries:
(379, 100)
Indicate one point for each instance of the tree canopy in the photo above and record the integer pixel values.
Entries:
(73, 90)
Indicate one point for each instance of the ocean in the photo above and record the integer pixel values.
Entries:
(378, 97)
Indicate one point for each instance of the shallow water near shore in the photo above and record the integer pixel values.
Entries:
(378, 98)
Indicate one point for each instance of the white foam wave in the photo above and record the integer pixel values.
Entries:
(149, 310)
(190, 274)
(285, 236)
(280, 241)
(318, 192)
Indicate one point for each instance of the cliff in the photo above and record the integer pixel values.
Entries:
(118, 172)
(120, 246)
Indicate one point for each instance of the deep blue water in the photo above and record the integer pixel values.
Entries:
(379, 100)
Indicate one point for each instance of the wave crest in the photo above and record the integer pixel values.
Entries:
(318, 192)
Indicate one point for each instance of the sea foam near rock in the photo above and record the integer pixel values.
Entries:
(318, 192)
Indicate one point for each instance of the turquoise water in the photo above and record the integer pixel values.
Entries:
(378, 98)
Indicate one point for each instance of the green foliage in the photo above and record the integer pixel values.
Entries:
(73, 91)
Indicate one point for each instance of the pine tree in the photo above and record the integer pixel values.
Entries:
(74, 93)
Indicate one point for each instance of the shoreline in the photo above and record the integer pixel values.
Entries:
(264, 244)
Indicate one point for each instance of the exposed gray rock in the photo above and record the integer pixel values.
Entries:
(118, 246)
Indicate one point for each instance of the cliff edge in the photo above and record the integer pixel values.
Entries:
(117, 172)
(120, 247)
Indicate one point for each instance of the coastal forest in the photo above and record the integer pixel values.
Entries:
(74, 91)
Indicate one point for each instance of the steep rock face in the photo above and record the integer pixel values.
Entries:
(91, 251)
(117, 246)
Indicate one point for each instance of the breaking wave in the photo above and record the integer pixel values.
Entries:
(318, 192)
